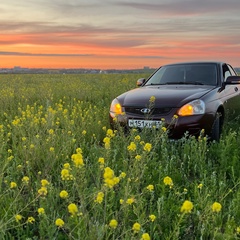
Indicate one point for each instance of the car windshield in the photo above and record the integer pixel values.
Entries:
(197, 74)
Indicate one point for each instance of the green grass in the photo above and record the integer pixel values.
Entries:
(55, 128)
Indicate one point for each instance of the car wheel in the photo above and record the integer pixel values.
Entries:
(216, 128)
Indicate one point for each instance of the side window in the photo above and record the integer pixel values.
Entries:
(226, 72)
(233, 73)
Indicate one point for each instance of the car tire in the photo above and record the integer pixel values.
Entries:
(216, 128)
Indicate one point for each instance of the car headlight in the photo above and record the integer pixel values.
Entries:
(115, 108)
(192, 108)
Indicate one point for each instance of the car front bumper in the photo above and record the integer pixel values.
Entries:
(176, 126)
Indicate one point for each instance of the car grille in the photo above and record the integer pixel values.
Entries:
(154, 111)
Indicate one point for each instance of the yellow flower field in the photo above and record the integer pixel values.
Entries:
(66, 175)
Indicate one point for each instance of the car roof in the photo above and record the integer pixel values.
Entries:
(195, 62)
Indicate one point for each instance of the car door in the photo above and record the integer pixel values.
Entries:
(232, 94)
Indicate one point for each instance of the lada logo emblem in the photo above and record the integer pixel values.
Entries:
(145, 110)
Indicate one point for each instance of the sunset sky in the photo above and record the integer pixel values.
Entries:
(117, 34)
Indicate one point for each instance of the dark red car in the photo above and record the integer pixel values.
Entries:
(186, 97)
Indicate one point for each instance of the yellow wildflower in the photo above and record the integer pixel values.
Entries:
(106, 140)
(164, 129)
(66, 166)
(101, 160)
(13, 185)
(25, 179)
(99, 197)
(145, 236)
(41, 211)
(79, 150)
(31, 220)
(122, 175)
(51, 149)
(15, 122)
(110, 133)
(200, 186)
(121, 201)
(42, 191)
(10, 158)
(111, 182)
(32, 146)
(113, 223)
(137, 138)
(18, 217)
(168, 181)
(147, 147)
(108, 173)
(109, 177)
(187, 207)
(150, 187)
(59, 222)
(138, 157)
(216, 207)
(44, 182)
(136, 227)
(72, 209)
(19, 167)
(43, 121)
(132, 147)
(152, 217)
(130, 201)
(65, 174)
(116, 180)
(152, 99)
(63, 194)
(77, 159)
(51, 131)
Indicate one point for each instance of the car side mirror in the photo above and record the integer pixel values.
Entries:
(140, 82)
(232, 80)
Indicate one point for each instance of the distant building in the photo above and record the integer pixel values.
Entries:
(17, 68)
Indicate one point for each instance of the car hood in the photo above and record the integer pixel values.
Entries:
(165, 96)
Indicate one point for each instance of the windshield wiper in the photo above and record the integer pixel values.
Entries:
(195, 83)
(187, 83)
(176, 83)
(152, 84)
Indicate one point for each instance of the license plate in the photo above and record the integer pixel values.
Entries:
(144, 123)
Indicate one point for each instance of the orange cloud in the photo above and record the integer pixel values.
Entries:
(88, 50)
